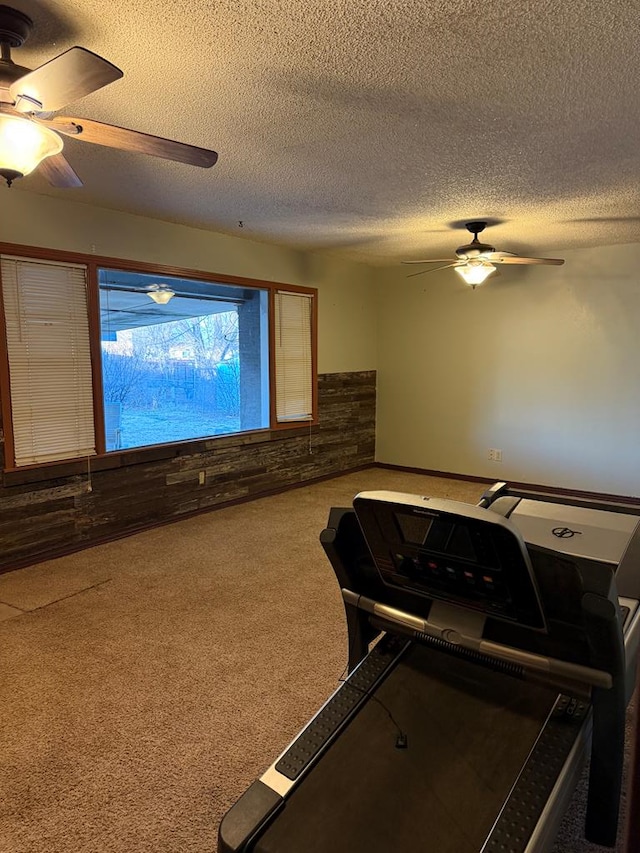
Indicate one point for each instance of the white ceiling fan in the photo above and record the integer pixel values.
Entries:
(30, 130)
(476, 261)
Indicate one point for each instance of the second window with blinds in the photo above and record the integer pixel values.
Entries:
(180, 359)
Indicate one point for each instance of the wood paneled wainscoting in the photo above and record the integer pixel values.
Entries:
(45, 513)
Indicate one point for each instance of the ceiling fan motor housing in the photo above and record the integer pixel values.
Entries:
(475, 248)
(14, 27)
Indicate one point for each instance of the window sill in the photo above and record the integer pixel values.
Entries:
(141, 455)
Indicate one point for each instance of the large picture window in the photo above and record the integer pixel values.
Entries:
(102, 359)
(181, 359)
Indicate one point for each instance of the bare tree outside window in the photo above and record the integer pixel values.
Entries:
(172, 380)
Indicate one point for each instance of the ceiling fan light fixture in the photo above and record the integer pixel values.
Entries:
(475, 262)
(24, 145)
(160, 293)
(475, 272)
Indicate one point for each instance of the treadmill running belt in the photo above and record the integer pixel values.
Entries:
(469, 730)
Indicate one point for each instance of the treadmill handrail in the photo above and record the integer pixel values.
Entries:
(539, 663)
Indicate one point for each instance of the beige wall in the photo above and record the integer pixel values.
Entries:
(346, 320)
(542, 363)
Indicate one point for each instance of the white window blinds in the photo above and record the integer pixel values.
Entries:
(47, 329)
(293, 361)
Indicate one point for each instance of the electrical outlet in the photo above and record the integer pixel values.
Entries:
(495, 455)
(201, 478)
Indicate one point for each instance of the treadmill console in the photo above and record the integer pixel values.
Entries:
(452, 552)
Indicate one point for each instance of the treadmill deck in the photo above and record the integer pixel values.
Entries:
(470, 732)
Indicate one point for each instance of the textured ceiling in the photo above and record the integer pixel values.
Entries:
(371, 128)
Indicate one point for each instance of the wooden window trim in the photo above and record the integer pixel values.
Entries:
(104, 460)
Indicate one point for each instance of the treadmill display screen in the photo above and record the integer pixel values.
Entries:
(437, 535)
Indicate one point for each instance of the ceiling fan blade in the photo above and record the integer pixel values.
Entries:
(58, 172)
(66, 78)
(432, 261)
(131, 140)
(515, 259)
(435, 269)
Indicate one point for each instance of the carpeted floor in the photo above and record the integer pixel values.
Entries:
(145, 683)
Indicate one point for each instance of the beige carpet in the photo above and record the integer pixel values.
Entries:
(146, 682)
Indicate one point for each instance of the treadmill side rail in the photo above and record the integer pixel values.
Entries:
(548, 776)
(334, 715)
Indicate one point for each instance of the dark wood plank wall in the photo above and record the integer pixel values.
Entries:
(46, 518)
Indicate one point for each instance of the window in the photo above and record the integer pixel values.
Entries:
(193, 365)
(47, 338)
(102, 359)
(294, 387)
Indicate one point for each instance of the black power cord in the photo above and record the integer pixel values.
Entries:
(401, 736)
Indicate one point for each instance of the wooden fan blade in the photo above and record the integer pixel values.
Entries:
(58, 172)
(514, 259)
(131, 140)
(432, 261)
(435, 269)
(66, 78)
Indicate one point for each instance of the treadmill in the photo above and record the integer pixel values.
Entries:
(492, 649)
